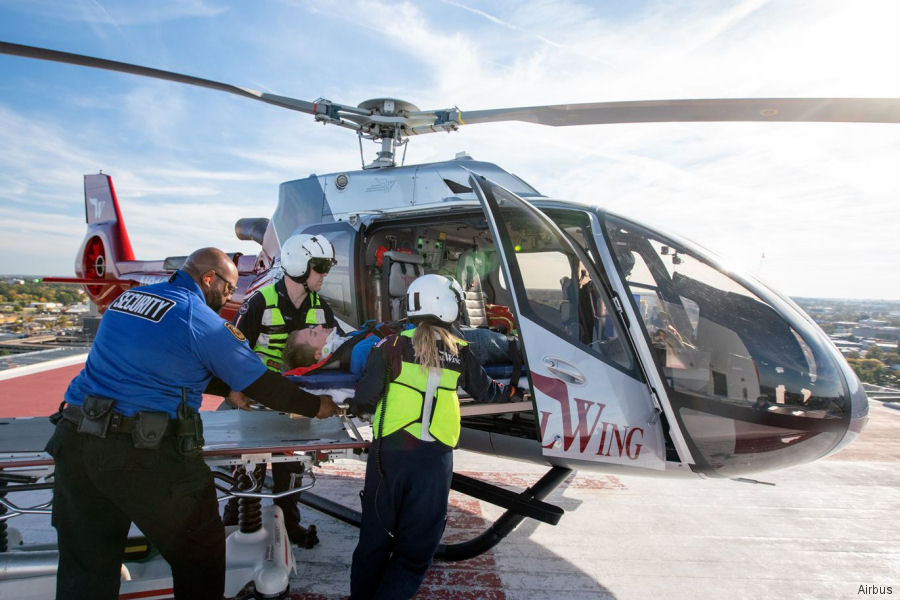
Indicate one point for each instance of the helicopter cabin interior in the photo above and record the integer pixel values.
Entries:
(395, 252)
(377, 264)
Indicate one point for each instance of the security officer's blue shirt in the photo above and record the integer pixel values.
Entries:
(155, 340)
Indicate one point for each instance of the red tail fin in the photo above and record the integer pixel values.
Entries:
(101, 207)
(106, 242)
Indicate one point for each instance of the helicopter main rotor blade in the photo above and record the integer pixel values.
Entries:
(370, 121)
(851, 110)
(114, 65)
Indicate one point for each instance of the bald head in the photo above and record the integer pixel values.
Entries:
(204, 260)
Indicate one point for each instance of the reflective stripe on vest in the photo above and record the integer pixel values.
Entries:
(273, 334)
(316, 314)
(405, 403)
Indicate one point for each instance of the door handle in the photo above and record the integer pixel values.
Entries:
(564, 370)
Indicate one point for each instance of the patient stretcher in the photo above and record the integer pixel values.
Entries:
(259, 554)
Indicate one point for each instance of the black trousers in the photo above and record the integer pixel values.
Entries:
(281, 482)
(101, 486)
(403, 517)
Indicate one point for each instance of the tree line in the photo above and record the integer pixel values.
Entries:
(23, 294)
(876, 366)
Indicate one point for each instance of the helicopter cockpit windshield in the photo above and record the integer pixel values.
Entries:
(746, 377)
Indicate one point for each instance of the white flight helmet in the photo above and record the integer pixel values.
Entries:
(301, 250)
(435, 296)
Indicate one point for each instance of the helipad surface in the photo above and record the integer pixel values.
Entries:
(822, 531)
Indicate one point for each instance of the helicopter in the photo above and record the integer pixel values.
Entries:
(641, 352)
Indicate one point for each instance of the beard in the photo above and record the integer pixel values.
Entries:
(214, 300)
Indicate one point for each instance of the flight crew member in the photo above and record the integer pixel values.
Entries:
(409, 386)
(266, 319)
(293, 302)
(128, 441)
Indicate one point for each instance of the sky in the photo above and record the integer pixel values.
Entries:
(812, 209)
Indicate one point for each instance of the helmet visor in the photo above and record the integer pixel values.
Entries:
(322, 265)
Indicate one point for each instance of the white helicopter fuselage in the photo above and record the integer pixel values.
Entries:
(642, 354)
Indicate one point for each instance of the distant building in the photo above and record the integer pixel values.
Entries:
(845, 326)
(884, 332)
(46, 306)
(77, 309)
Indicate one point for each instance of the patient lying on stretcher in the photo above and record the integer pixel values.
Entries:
(308, 350)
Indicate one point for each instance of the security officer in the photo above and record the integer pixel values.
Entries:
(409, 385)
(127, 444)
(266, 319)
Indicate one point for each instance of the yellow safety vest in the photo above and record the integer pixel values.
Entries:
(404, 402)
(273, 333)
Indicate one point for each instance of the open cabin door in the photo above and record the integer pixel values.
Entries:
(592, 402)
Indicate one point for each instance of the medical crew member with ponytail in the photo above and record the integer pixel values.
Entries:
(409, 387)
(266, 319)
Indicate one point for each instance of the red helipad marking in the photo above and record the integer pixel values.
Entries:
(520, 481)
(514, 481)
(36, 394)
(475, 578)
(39, 394)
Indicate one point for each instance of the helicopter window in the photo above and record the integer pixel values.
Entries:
(745, 379)
(300, 201)
(338, 287)
(558, 288)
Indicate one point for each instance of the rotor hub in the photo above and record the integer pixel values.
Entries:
(388, 106)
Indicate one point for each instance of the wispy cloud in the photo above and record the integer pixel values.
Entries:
(116, 12)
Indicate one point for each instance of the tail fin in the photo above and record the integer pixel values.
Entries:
(106, 243)
(101, 209)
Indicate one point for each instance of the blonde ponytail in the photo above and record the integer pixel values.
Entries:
(425, 344)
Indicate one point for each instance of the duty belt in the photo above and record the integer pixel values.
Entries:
(118, 423)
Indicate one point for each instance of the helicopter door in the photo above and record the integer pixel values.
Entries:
(591, 401)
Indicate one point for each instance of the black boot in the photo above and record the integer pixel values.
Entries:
(305, 537)
(230, 512)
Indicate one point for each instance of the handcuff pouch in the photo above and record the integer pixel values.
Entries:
(149, 429)
(96, 413)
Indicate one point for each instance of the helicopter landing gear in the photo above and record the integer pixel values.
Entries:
(525, 504)
(528, 503)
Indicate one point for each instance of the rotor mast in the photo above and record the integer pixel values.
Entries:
(388, 121)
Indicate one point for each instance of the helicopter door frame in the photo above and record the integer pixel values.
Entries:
(588, 409)
(639, 337)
